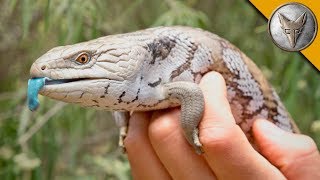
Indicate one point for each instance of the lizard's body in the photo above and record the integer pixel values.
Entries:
(133, 72)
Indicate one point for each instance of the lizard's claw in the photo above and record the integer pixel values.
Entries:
(122, 136)
(196, 141)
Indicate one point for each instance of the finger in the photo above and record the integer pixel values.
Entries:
(295, 155)
(173, 150)
(143, 160)
(226, 148)
(215, 95)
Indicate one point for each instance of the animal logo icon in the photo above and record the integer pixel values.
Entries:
(292, 28)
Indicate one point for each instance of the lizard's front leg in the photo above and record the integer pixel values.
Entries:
(122, 119)
(192, 106)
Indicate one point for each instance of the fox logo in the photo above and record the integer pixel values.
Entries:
(292, 28)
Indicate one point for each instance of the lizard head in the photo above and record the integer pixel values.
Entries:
(90, 73)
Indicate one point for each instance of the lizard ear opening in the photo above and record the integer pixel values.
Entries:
(83, 58)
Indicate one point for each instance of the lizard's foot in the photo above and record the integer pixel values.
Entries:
(193, 138)
(122, 120)
(196, 141)
(192, 106)
(122, 136)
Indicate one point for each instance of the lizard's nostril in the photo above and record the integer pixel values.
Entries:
(43, 67)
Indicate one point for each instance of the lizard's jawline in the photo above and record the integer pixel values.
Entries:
(63, 81)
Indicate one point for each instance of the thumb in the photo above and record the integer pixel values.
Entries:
(295, 155)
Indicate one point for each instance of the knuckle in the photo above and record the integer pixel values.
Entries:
(135, 140)
(160, 129)
(164, 124)
(220, 137)
(131, 143)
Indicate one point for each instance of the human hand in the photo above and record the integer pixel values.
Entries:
(157, 148)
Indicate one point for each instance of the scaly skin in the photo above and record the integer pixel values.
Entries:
(130, 72)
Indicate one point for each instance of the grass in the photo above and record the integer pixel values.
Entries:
(78, 143)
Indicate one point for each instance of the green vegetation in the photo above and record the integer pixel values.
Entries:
(78, 143)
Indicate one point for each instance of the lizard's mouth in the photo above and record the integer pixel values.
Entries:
(49, 81)
(57, 82)
(36, 85)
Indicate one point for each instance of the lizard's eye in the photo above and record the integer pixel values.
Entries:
(83, 58)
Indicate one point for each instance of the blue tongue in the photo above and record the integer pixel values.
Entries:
(34, 86)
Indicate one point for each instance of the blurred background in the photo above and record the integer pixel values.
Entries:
(61, 141)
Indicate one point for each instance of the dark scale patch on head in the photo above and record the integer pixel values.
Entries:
(95, 101)
(106, 89)
(120, 97)
(103, 96)
(160, 48)
(81, 95)
(154, 84)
